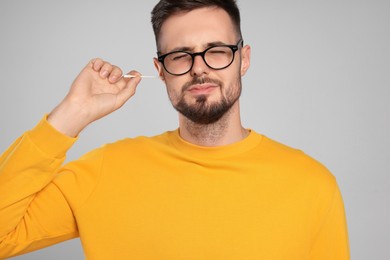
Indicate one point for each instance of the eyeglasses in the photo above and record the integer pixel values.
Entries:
(216, 57)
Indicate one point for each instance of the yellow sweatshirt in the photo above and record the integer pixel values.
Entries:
(163, 198)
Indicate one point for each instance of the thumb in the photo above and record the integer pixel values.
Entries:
(129, 90)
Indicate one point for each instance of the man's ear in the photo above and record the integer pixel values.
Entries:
(160, 69)
(245, 59)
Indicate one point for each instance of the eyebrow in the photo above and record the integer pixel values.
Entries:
(189, 49)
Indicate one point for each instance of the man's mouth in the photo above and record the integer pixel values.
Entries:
(205, 88)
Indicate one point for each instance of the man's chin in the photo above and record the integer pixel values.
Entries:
(203, 112)
(202, 100)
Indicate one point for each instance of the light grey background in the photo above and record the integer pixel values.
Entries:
(319, 81)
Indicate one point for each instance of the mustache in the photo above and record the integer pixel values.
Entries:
(201, 80)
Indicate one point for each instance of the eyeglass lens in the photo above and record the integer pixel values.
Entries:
(217, 57)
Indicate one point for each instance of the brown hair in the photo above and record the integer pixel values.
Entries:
(166, 8)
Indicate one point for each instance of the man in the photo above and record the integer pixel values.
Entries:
(212, 189)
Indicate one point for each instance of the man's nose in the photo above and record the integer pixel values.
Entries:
(199, 67)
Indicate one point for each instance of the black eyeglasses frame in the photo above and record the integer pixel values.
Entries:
(234, 48)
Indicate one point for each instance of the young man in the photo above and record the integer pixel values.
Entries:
(212, 189)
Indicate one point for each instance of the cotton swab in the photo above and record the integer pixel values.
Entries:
(141, 76)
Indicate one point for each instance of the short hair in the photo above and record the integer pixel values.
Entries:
(166, 8)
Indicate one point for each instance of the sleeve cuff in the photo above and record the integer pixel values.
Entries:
(50, 140)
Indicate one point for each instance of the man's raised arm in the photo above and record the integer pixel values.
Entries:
(34, 211)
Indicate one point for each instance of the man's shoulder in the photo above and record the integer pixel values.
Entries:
(139, 143)
(296, 161)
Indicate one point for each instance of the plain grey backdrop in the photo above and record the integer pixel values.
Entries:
(319, 81)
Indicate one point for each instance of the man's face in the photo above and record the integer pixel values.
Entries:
(203, 95)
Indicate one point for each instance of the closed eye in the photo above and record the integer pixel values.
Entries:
(178, 57)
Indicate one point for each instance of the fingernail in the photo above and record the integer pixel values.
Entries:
(104, 73)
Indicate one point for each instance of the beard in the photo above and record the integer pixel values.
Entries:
(204, 112)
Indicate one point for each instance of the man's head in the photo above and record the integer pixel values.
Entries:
(208, 85)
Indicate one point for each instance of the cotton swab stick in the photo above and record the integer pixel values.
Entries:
(134, 76)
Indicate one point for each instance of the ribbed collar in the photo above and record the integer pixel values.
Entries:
(217, 152)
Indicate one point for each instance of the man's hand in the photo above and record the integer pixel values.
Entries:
(96, 92)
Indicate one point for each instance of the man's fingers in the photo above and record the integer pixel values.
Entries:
(129, 90)
(105, 70)
(115, 75)
(97, 64)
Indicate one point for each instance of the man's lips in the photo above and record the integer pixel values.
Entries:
(202, 88)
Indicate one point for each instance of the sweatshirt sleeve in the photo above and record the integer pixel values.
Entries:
(34, 213)
(331, 241)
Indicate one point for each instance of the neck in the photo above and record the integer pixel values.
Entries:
(226, 130)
